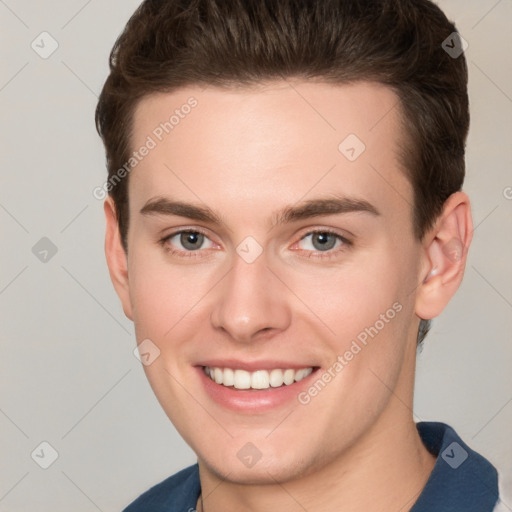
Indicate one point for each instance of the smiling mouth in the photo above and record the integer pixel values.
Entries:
(259, 379)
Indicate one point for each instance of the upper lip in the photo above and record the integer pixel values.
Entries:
(252, 366)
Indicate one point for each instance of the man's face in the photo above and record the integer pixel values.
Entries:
(257, 289)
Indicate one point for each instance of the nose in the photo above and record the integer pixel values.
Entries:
(251, 302)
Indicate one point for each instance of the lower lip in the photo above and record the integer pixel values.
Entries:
(253, 400)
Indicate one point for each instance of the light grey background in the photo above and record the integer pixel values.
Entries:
(68, 374)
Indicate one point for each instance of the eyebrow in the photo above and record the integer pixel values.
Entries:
(305, 210)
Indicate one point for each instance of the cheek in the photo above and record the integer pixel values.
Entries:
(367, 316)
(352, 298)
(364, 311)
(160, 293)
(153, 303)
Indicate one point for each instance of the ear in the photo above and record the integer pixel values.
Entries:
(117, 259)
(445, 247)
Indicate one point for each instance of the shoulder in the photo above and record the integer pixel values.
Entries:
(177, 492)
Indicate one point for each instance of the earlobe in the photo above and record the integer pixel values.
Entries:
(446, 248)
(117, 259)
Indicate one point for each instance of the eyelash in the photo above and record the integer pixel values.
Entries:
(174, 252)
(312, 254)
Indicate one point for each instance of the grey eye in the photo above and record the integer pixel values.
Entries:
(324, 241)
(321, 241)
(191, 240)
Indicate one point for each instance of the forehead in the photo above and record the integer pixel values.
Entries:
(270, 144)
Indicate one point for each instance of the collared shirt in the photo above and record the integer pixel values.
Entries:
(462, 480)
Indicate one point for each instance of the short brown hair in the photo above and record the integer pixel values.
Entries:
(168, 44)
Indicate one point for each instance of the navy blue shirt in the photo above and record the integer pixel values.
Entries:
(462, 480)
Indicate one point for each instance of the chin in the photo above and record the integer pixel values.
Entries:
(267, 469)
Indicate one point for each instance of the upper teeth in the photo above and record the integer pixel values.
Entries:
(260, 379)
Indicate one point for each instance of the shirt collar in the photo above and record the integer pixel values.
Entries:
(461, 479)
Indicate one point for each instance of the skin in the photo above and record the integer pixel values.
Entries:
(246, 154)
